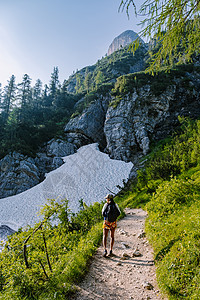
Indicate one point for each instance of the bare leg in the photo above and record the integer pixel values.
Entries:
(112, 233)
(105, 234)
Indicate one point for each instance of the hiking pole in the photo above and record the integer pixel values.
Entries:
(111, 191)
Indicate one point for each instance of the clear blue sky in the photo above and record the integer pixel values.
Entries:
(36, 35)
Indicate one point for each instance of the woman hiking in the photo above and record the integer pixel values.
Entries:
(110, 213)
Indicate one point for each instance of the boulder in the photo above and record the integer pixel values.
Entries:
(141, 116)
(147, 285)
(59, 148)
(17, 174)
(88, 127)
(4, 232)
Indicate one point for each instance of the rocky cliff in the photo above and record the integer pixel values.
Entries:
(123, 121)
(141, 108)
(109, 68)
(124, 39)
(19, 173)
(123, 110)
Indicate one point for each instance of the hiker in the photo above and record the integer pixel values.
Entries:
(110, 213)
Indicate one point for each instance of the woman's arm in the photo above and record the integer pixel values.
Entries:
(104, 212)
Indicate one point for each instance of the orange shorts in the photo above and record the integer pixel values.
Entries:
(109, 225)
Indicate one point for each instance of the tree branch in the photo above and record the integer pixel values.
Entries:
(25, 242)
(43, 268)
(45, 245)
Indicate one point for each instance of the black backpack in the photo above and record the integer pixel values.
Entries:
(112, 212)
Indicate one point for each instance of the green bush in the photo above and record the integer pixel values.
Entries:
(170, 186)
(175, 238)
(44, 262)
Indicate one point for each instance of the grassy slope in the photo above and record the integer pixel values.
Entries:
(169, 188)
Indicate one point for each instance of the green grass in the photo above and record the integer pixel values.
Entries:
(169, 189)
(170, 192)
(126, 85)
(173, 229)
(69, 245)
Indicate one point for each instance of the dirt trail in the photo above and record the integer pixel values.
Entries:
(123, 276)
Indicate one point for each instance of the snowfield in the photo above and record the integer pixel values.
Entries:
(88, 174)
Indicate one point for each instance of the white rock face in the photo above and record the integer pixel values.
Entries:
(125, 38)
(87, 175)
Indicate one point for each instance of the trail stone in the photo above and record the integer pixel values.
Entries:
(125, 255)
(141, 235)
(128, 274)
(136, 253)
(125, 246)
(123, 258)
(148, 285)
(121, 231)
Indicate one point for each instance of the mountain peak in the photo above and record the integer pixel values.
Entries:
(125, 38)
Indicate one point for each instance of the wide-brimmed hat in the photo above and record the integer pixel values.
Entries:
(109, 196)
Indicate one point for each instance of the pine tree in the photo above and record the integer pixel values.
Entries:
(79, 83)
(174, 24)
(0, 96)
(87, 81)
(45, 96)
(24, 97)
(8, 98)
(54, 85)
(99, 78)
(65, 100)
(37, 94)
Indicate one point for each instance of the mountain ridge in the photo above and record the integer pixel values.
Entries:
(122, 40)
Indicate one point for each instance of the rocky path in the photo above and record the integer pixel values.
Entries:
(130, 272)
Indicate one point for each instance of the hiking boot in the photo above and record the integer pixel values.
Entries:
(110, 253)
(105, 253)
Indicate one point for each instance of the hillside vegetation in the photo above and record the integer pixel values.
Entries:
(44, 262)
(107, 69)
(32, 115)
(169, 189)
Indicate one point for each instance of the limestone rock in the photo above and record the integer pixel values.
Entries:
(88, 127)
(59, 148)
(125, 38)
(136, 253)
(123, 232)
(126, 125)
(124, 245)
(5, 231)
(141, 235)
(129, 125)
(147, 285)
(17, 174)
(125, 255)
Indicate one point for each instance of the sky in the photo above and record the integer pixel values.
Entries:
(38, 35)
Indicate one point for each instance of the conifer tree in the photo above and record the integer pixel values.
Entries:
(99, 78)
(45, 97)
(78, 86)
(65, 100)
(24, 96)
(87, 81)
(175, 24)
(8, 98)
(37, 94)
(54, 85)
(0, 95)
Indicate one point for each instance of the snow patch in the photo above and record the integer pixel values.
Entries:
(87, 175)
